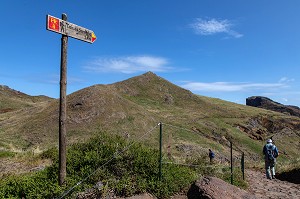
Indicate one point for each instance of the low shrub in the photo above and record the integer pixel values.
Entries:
(127, 168)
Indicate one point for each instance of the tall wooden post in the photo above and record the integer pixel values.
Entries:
(63, 107)
(67, 29)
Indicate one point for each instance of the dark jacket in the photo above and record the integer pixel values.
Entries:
(273, 148)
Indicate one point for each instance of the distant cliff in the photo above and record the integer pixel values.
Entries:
(266, 103)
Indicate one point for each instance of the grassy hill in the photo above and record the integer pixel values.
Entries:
(16, 108)
(12, 100)
(130, 108)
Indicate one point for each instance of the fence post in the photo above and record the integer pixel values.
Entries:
(160, 150)
(243, 165)
(231, 162)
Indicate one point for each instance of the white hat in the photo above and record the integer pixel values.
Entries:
(269, 141)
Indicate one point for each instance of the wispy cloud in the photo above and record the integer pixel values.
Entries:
(282, 91)
(290, 96)
(214, 26)
(286, 80)
(231, 87)
(128, 64)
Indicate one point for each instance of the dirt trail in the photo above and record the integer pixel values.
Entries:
(263, 188)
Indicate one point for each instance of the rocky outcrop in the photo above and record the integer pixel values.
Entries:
(258, 128)
(266, 103)
(215, 188)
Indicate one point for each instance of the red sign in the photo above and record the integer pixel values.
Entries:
(53, 23)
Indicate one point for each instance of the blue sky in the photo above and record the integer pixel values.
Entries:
(224, 49)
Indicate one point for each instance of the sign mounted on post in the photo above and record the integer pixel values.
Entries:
(66, 28)
(62, 26)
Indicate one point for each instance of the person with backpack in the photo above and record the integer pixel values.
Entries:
(270, 152)
(211, 155)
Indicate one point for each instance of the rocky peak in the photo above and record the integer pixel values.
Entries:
(266, 103)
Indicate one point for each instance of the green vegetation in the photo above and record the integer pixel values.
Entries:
(126, 168)
(4, 154)
(287, 165)
(237, 177)
(223, 171)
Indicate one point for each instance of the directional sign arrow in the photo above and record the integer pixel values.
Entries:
(72, 30)
(93, 37)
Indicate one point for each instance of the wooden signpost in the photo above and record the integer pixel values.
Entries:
(62, 26)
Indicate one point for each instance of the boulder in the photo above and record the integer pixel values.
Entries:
(215, 188)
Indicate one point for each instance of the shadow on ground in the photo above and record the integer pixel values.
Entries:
(292, 176)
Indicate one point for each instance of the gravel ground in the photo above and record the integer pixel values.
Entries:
(264, 188)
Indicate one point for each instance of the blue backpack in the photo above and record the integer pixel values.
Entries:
(271, 153)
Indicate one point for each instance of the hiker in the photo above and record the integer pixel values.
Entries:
(211, 155)
(271, 153)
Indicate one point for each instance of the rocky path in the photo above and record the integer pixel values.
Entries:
(263, 188)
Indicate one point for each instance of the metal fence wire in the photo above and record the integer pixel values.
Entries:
(175, 150)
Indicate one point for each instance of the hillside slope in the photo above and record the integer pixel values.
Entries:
(11, 100)
(134, 106)
(17, 108)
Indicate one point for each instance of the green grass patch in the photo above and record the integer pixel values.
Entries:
(237, 178)
(127, 168)
(6, 154)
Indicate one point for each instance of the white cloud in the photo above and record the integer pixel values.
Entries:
(286, 80)
(285, 99)
(128, 64)
(214, 26)
(283, 91)
(231, 87)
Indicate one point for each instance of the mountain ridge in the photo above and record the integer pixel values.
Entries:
(133, 106)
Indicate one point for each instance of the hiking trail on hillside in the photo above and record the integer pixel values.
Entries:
(264, 188)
